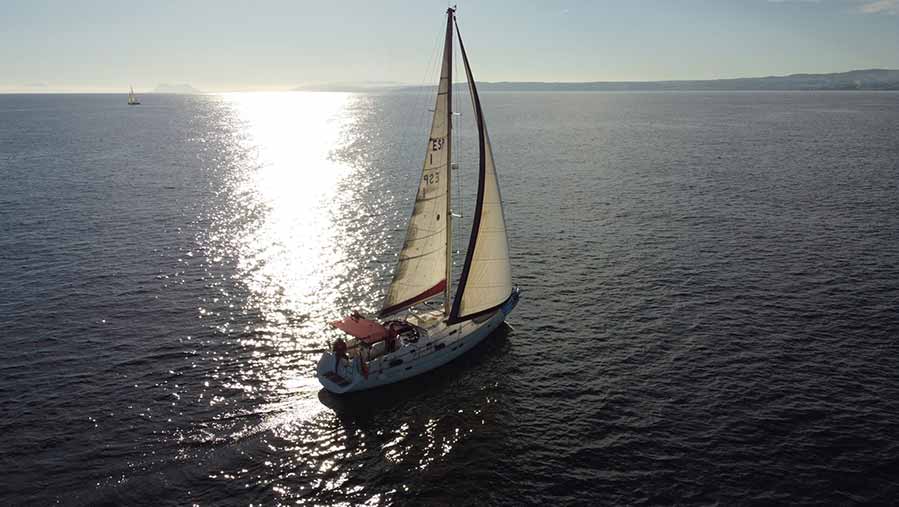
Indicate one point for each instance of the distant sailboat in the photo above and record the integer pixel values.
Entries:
(132, 98)
(387, 351)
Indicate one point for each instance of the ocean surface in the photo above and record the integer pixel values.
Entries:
(709, 313)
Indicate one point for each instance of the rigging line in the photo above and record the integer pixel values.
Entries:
(420, 99)
(461, 230)
(457, 146)
(418, 103)
(459, 150)
(461, 124)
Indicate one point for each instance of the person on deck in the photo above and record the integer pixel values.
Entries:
(339, 353)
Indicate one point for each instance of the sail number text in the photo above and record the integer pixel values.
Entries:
(436, 145)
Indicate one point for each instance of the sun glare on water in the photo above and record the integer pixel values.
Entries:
(292, 251)
(281, 222)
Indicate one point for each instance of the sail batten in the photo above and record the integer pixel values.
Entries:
(423, 268)
(486, 281)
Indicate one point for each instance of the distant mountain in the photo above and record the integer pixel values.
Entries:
(871, 79)
(184, 89)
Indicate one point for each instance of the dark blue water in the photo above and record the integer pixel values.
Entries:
(709, 314)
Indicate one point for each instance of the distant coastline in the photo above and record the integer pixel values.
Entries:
(162, 88)
(870, 79)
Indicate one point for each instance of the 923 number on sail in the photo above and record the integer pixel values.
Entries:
(432, 178)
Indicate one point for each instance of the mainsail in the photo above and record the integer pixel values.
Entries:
(486, 280)
(422, 270)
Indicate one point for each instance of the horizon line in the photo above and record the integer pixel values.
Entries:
(363, 86)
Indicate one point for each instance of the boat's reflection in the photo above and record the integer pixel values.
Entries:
(367, 404)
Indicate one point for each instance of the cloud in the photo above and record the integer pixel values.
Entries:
(880, 6)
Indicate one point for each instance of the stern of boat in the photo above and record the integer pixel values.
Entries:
(342, 379)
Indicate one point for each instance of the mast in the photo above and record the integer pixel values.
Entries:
(448, 50)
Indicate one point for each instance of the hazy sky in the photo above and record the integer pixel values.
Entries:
(280, 44)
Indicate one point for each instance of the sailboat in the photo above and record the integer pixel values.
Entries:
(406, 340)
(132, 98)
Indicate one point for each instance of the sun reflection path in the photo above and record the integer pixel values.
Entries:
(286, 225)
(293, 254)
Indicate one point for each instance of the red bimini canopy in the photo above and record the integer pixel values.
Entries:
(368, 331)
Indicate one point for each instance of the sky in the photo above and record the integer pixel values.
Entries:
(227, 45)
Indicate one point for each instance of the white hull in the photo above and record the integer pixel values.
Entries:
(441, 345)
